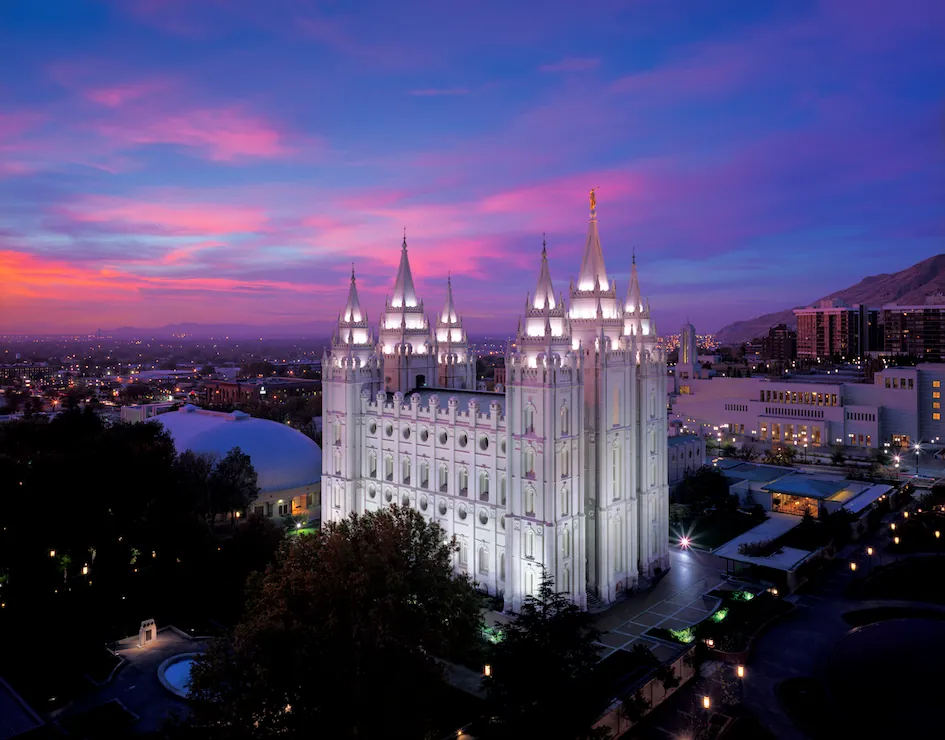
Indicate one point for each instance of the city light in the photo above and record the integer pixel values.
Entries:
(684, 542)
(740, 671)
(706, 702)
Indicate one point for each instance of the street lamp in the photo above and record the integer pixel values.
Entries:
(918, 449)
(706, 702)
(487, 670)
(853, 566)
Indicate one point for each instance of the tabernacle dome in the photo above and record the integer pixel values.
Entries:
(288, 464)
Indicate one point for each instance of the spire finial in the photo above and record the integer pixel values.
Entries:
(634, 255)
(404, 245)
(594, 198)
(352, 272)
(449, 277)
(544, 245)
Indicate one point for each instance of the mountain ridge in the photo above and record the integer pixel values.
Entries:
(906, 287)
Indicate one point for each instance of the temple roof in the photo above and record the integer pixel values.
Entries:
(544, 291)
(449, 315)
(634, 300)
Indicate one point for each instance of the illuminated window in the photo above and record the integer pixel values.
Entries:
(936, 383)
(936, 394)
(936, 416)
(936, 404)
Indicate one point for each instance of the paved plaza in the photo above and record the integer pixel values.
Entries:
(677, 600)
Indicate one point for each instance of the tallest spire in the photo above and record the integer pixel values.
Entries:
(404, 293)
(593, 272)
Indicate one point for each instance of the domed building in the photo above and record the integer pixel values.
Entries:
(288, 464)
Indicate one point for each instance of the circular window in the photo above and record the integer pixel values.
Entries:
(406, 432)
(388, 496)
(423, 503)
(424, 434)
(442, 508)
(443, 437)
(463, 439)
(483, 443)
(372, 492)
(389, 430)
(462, 512)
(483, 516)
(405, 500)
(372, 428)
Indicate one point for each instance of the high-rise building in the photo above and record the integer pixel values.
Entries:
(834, 329)
(916, 330)
(780, 345)
(563, 468)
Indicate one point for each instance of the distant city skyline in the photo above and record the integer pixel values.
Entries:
(224, 163)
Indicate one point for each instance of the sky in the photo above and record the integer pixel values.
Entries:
(225, 161)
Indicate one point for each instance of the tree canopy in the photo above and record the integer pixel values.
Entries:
(542, 681)
(341, 634)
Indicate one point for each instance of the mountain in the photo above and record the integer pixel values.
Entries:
(906, 287)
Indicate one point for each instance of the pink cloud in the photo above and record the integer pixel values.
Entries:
(220, 134)
(166, 218)
(433, 92)
(572, 64)
(118, 95)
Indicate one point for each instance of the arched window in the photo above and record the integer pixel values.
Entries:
(565, 500)
(337, 462)
(566, 581)
(529, 420)
(463, 479)
(389, 467)
(483, 559)
(529, 582)
(425, 474)
(502, 490)
(615, 471)
(565, 462)
(566, 543)
(336, 496)
(372, 465)
(615, 409)
(529, 462)
(529, 543)
(444, 478)
(337, 432)
(483, 485)
(565, 420)
(501, 556)
(405, 469)
(463, 552)
(529, 500)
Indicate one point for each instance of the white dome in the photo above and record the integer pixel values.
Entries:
(283, 457)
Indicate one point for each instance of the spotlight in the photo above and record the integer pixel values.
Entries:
(684, 542)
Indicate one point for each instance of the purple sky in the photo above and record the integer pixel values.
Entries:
(224, 161)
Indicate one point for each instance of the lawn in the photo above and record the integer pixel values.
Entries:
(713, 530)
(915, 579)
(732, 625)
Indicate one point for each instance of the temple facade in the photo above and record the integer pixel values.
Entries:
(563, 469)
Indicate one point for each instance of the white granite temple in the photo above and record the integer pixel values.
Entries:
(564, 468)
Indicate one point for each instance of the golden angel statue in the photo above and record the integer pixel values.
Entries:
(593, 199)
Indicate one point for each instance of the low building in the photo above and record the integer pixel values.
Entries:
(686, 454)
(258, 389)
(288, 464)
(901, 407)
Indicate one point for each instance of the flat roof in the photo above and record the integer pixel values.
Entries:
(867, 497)
(804, 485)
(777, 524)
(756, 473)
(682, 439)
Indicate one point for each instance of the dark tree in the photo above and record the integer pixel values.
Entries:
(706, 488)
(836, 456)
(544, 662)
(232, 484)
(341, 635)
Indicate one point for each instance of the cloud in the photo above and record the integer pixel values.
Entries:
(118, 95)
(143, 217)
(572, 64)
(433, 92)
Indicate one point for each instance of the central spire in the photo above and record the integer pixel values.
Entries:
(593, 272)
(404, 293)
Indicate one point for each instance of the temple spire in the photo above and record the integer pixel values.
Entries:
(449, 314)
(544, 291)
(353, 306)
(593, 271)
(404, 292)
(634, 303)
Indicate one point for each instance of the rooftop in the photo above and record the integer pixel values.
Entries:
(800, 484)
(785, 558)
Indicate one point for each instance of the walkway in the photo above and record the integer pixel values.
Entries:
(677, 600)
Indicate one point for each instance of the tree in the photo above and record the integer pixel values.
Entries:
(706, 488)
(341, 635)
(836, 456)
(232, 484)
(544, 662)
(780, 455)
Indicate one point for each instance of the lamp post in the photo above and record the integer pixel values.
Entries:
(740, 674)
(918, 449)
(869, 562)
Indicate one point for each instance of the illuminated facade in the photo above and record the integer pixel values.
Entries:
(562, 468)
